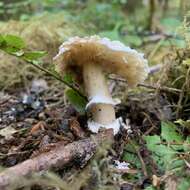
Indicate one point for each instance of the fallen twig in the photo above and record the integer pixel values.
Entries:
(182, 94)
(144, 170)
(155, 68)
(163, 88)
(152, 70)
(153, 126)
(80, 151)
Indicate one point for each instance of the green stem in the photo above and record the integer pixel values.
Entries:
(57, 78)
(46, 71)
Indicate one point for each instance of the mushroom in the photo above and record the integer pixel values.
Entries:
(92, 57)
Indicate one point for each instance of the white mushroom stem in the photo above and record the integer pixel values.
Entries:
(101, 104)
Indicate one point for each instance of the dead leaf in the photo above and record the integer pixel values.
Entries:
(76, 128)
(7, 132)
(155, 181)
(39, 126)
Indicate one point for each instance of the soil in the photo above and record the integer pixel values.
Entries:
(38, 120)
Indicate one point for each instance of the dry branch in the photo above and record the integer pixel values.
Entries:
(80, 151)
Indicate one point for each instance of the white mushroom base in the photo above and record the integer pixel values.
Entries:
(121, 165)
(95, 127)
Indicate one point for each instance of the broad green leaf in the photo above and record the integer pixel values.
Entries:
(14, 42)
(24, 17)
(170, 24)
(186, 145)
(184, 184)
(35, 62)
(68, 78)
(132, 158)
(154, 145)
(34, 55)
(11, 44)
(18, 53)
(164, 150)
(130, 154)
(76, 100)
(152, 142)
(150, 188)
(169, 133)
(113, 34)
(10, 50)
(130, 146)
(133, 40)
(1, 39)
(162, 154)
(177, 164)
(175, 42)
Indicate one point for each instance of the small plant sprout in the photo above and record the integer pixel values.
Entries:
(90, 58)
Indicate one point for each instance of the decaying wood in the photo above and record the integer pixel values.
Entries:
(79, 151)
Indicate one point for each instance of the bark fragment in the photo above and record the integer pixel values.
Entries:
(79, 151)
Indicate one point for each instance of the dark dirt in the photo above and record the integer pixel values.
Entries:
(38, 124)
(41, 120)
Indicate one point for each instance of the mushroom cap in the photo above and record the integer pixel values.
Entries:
(113, 56)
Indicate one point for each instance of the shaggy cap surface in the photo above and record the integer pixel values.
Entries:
(113, 56)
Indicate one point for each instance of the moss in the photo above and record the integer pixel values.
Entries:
(176, 74)
(46, 33)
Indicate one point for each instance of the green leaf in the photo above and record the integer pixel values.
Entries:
(34, 55)
(150, 188)
(11, 44)
(76, 100)
(169, 133)
(152, 141)
(112, 34)
(1, 39)
(154, 145)
(24, 17)
(132, 159)
(10, 50)
(175, 41)
(133, 40)
(14, 42)
(177, 164)
(18, 53)
(170, 24)
(178, 42)
(162, 154)
(186, 145)
(184, 184)
(68, 78)
(130, 154)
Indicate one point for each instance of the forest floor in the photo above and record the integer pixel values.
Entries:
(32, 121)
(153, 143)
